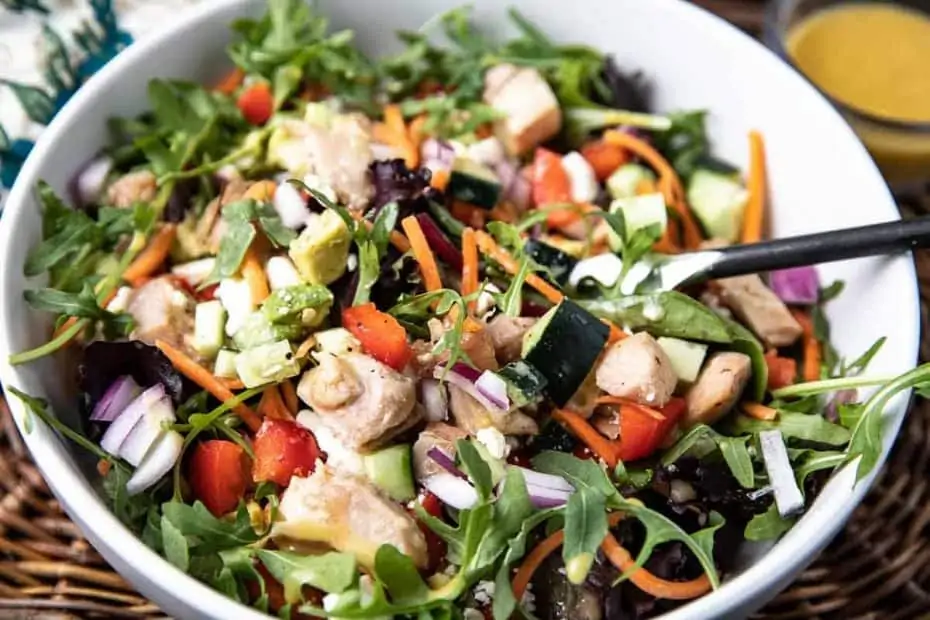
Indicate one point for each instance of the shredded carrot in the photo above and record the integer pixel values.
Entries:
(262, 191)
(488, 246)
(383, 134)
(255, 276)
(205, 379)
(394, 132)
(394, 119)
(152, 257)
(649, 583)
(469, 214)
(231, 81)
(646, 186)
(440, 179)
(272, 406)
(759, 411)
(578, 426)
(415, 131)
(304, 349)
(290, 397)
(534, 560)
(231, 384)
(103, 467)
(422, 252)
(607, 399)
(398, 240)
(757, 185)
(811, 369)
(469, 266)
(616, 334)
(669, 183)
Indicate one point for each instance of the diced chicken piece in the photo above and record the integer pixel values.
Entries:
(531, 112)
(349, 514)
(162, 311)
(758, 307)
(436, 435)
(717, 388)
(130, 188)
(471, 416)
(639, 369)
(506, 333)
(362, 401)
(338, 457)
(477, 345)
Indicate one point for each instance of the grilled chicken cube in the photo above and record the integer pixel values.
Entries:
(717, 388)
(139, 186)
(476, 344)
(639, 369)
(164, 311)
(506, 333)
(471, 416)
(349, 514)
(530, 111)
(758, 307)
(436, 435)
(362, 401)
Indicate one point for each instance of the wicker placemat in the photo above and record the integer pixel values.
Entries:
(878, 567)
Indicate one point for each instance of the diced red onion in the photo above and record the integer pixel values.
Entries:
(437, 154)
(788, 497)
(115, 400)
(434, 399)
(446, 462)
(797, 285)
(547, 498)
(843, 397)
(439, 242)
(494, 389)
(516, 187)
(452, 490)
(116, 434)
(546, 481)
(162, 456)
(90, 181)
(147, 431)
(464, 378)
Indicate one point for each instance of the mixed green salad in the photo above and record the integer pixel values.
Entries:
(353, 338)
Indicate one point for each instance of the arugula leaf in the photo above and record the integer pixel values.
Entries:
(330, 572)
(668, 313)
(418, 309)
(859, 364)
(794, 426)
(174, 544)
(685, 143)
(850, 413)
(237, 565)
(511, 302)
(585, 529)
(733, 450)
(212, 534)
(399, 574)
(705, 537)
(372, 246)
(81, 305)
(821, 326)
(825, 386)
(809, 461)
(581, 122)
(477, 469)
(768, 525)
(581, 473)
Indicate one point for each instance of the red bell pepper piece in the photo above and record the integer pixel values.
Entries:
(283, 449)
(381, 335)
(551, 185)
(256, 103)
(218, 475)
(604, 157)
(642, 428)
(782, 370)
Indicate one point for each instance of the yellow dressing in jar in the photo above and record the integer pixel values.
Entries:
(874, 58)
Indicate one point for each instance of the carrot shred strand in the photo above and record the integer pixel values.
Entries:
(290, 397)
(759, 411)
(757, 185)
(422, 253)
(811, 347)
(469, 266)
(649, 583)
(534, 560)
(153, 257)
(578, 426)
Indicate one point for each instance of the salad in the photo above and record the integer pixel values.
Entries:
(354, 341)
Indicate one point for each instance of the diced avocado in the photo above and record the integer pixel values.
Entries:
(563, 346)
(267, 363)
(209, 328)
(719, 201)
(473, 183)
(638, 212)
(337, 341)
(288, 304)
(225, 364)
(258, 330)
(391, 471)
(625, 181)
(525, 384)
(321, 252)
(188, 245)
(497, 466)
(558, 262)
(686, 357)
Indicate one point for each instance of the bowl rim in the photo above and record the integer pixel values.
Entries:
(138, 562)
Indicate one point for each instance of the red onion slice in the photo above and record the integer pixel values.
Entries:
(466, 383)
(115, 400)
(439, 242)
(90, 181)
(547, 498)
(446, 462)
(437, 154)
(434, 399)
(798, 285)
(452, 490)
(788, 497)
(545, 481)
(116, 435)
(160, 459)
(494, 389)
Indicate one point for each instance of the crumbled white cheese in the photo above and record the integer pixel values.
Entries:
(120, 301)
(236, 297)
(581, 175)
(529, 599)
(351, 263)
(281, 273)
(484, 592)
(195, 272)
(494, 441)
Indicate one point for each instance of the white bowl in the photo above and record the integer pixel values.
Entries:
(819, 174)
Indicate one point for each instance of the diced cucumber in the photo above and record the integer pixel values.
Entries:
(564, 345)
(525, 384)
(558, 262)
(638, 212)
(209, 328)
(625, 180)
(391, 471)
(267, 363)
(225, 364)
(719, 201)
(473, 183)
(686, 357)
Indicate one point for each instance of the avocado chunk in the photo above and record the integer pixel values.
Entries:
(267, 363)
(257, 330)
(626, 179)
(321, 251)
(719, 201)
